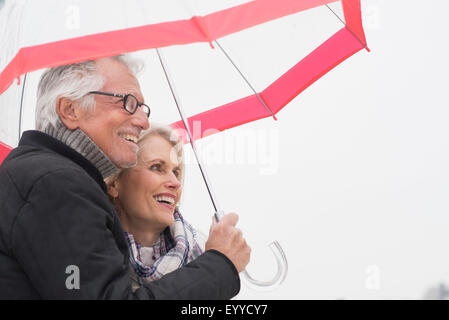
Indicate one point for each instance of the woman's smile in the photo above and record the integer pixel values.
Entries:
(167, 200)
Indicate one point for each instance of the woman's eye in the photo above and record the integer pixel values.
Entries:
(156, 167)
(177, 173)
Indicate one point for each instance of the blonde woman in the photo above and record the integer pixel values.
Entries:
(146, 198)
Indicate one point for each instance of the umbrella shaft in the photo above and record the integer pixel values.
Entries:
(218, 211)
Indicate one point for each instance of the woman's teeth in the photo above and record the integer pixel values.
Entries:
(165, 199)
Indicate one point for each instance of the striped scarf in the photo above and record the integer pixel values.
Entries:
(178, 244)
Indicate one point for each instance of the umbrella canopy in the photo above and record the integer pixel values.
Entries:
(76, 32)
(157, 26)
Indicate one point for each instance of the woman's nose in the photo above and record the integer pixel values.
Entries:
(173, 182)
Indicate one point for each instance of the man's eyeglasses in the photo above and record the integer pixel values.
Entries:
(130, 102)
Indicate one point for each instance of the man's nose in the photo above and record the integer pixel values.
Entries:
(140, 119)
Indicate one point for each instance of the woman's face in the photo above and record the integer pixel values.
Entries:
(150, 191)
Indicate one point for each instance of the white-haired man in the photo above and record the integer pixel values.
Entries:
(59, 234)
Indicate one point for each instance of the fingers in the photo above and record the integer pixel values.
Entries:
(213, 224)
(230, 219)
(229, 240)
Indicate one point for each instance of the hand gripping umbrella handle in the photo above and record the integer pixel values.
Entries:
(281, 260)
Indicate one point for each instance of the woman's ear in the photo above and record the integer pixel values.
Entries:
(69, 112)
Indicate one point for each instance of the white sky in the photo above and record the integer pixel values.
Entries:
(359, 200)
(353, 178)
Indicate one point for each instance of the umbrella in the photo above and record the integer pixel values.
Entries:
(47, 44)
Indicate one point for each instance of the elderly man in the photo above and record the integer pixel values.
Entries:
(59, 235)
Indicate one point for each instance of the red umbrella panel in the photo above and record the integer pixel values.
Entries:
(277, 95)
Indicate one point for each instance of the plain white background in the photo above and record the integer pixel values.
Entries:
(352, 179)
(359, 200)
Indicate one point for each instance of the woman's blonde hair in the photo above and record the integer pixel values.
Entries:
(170, 136)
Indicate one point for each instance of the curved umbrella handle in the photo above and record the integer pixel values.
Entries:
(281, 260)
(282, 268)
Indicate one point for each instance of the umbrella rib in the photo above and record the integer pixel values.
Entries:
(344, 23)
(21, 103)
(246, 80)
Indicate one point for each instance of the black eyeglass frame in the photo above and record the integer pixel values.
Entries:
(125, 99)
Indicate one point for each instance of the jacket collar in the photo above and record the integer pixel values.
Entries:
(36, 138)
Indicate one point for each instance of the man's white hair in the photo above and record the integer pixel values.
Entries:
(74, 82)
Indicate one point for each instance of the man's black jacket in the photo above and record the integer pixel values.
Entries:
(56, 218)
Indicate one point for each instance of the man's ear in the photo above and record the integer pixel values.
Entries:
(113, 189)
(69, 112)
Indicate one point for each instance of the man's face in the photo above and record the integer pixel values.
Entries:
(110, 126)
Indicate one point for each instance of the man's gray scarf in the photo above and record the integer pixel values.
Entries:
(80, 142)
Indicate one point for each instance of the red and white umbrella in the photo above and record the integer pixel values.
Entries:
(79, 30)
